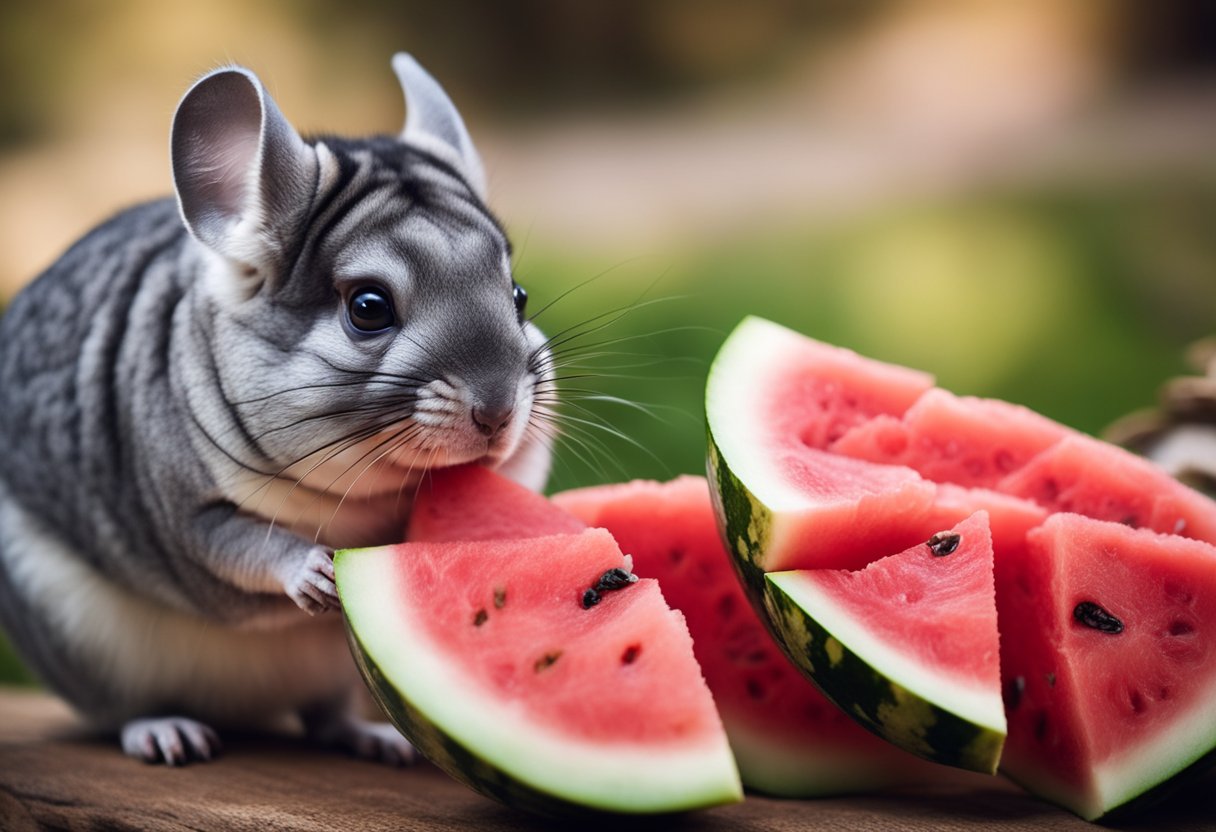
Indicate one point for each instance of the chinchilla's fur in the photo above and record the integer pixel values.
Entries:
(205, 396)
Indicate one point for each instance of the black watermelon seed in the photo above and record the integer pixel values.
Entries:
(1094, 617)
(590, 599)
(631, 654)
(546, 661)
(500, 597)
(615, 579)
(944, 543)
(1013, 692)
(480, 618)
(1050, 678)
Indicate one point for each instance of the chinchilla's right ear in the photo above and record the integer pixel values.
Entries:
(433, 123)
(244, 177)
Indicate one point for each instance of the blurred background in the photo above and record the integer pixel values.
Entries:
(1017, 197)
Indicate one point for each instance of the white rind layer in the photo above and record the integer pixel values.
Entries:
(620, 777)
(974, 704)
(743, 375)
(1144, 765)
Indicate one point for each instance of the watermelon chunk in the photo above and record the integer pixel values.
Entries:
(1099, 480)
(773, 401)
(909, 644)
(788, 738)
(1109, 661)
(968, 441)
(470, 502)
(486, 656)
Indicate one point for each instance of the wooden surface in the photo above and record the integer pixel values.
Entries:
(53, 774)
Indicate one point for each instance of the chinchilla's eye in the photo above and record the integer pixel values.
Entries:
(370, 309)
(521, 300)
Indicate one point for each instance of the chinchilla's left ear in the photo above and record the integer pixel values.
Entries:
(432, 122)
(244, 177)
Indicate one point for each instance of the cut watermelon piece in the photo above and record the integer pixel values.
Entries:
(470, 502)
(1109, 661)
(968, 441)
(1099, 480)
(485, 655)
(1009, 518)
(908, 645)
(788, 738)
(773, 401)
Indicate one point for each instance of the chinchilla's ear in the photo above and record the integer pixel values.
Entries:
(432, 122)
(244, 177)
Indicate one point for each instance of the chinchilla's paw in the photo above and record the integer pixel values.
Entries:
(311, 585)
(376, 741)
(172, 740)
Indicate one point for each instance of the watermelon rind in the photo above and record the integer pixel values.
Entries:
(493, 747)
(928, 714)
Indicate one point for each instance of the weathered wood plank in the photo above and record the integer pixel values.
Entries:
(53, 774)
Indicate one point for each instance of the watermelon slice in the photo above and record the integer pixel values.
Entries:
(470, 502)
(489, 657)
(773, 401)
(1109, 661)
(909, 644)
(969, 441)
(788, 738)
(1097, 479)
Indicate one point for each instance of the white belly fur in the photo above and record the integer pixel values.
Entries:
(151, 655)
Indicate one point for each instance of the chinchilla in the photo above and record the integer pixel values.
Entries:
(205, 396)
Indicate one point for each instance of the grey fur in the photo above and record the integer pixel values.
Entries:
(171, 387)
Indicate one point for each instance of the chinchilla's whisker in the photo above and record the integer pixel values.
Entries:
(328, 453)
(375, 409)
(304, 388)
(393, 443)
(576, 287)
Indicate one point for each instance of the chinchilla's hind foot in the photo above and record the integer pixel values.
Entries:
(375, 741)
(172, 740)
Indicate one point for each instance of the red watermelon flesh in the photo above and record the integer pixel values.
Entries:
(487, 602)
(1104, 705)
(788, 738)
(470, 502)
(490, 659)
(1097, 479)
(845, 512)
(968, 441)
(1009, 518)
(807, 393)
(943, 617)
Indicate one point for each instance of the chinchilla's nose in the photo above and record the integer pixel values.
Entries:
(493, 417)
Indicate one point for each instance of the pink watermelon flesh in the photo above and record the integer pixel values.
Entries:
(1009, 518)
(822, 391)
(968, 441)
(1096, 479)
(773, 715)
(1089, 709)
(851, 512)
(939, 610)
(469, 502)
(621, 671)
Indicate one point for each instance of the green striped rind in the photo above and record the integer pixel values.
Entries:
(446, 753)
(880, 704)
(494, 747)
(744, 523)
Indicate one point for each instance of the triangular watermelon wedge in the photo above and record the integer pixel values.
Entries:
(788, 739)
(1109, 661)
(471, 502)
(907, 645)
(491, 660)
(774, 400)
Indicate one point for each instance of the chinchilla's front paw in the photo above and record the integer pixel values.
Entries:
(311, 585)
